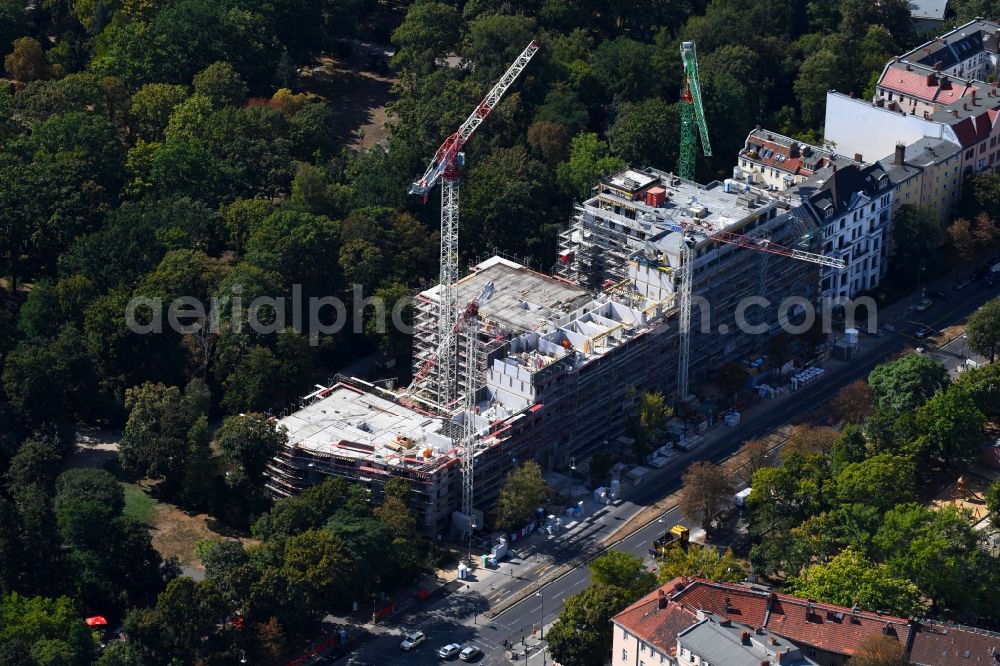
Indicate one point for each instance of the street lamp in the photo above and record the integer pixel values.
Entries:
(541, 625)
(243, 656)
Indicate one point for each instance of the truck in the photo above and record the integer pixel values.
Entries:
(678, 535)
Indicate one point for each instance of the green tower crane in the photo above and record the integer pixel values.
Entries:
(692, 113)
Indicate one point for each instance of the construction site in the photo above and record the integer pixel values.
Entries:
(511, 364)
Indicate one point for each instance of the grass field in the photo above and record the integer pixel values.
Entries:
(138, 503)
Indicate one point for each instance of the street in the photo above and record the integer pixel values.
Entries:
(455, 616)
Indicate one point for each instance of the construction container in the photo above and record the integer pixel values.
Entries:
(655, 196)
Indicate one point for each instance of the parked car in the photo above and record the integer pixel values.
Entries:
(923, 332)
(937, 294)
(449, 650)
(412, 640)
(962, 284)
(470, 653)
(924, 304)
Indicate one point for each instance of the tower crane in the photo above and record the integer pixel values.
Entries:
(692, 114)
(693, 121)
(444, 168)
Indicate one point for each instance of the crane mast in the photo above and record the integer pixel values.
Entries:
(444, 168)
(692, 114)
(686, 286)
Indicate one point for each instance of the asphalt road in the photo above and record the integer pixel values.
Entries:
(454, 617)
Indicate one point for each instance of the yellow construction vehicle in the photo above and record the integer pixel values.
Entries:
(678, 535)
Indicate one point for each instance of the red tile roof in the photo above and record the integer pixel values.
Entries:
(654, 625)
(974, 129)
(781, 614)
(949, 645)
(825, 629)
(914, 84)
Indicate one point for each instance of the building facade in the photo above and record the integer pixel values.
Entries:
(853, 206)
(652, 630)
(773, 161)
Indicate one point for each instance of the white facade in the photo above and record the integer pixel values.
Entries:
(629, 650)
(858, 126)
(859, 237)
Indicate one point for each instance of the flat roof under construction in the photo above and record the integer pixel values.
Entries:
(522, 299)
(349, 422)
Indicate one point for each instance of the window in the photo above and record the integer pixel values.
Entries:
(624, 654)
(642, 648)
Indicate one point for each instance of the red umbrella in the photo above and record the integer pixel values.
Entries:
(96, 621)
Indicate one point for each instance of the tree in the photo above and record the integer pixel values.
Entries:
(430, 30)
(650, 421)
(983, 330)
(854, 403)
(750, 457)
(706, 491)
(588, 162)
(524, 490)
(985, 231)
(963, 243)
(35, 621)
(40, 316)
(951, 425)
(916, 238)
(198, 485)
(248, 442)
(878, 650)
(646, 133)
(993, 503)
(882, 481)
(36, 461)
(187, 615)
(706, 562)
(600, 466)
(582, 634)
(27, 62)
(155, 440)
(508, 205)
(849, 578)
(220, 84)
(152, 106)
(937, 549)
(820, 71)
(850, 447)
(550, 140)
(624, 571)
(563, 106)
(805, 440)
(906, 383)
(78, 486)
(983, 384)
(319, 564)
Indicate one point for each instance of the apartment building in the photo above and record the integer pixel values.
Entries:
(906, 177)
(941, 71)
(940, 164)
(773, 161)
(658, 626)
(853, 208)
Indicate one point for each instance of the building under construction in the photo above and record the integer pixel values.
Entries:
(637, 224)
(559, 363)
(562, 357)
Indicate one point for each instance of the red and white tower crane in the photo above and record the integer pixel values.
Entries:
(444, 168)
